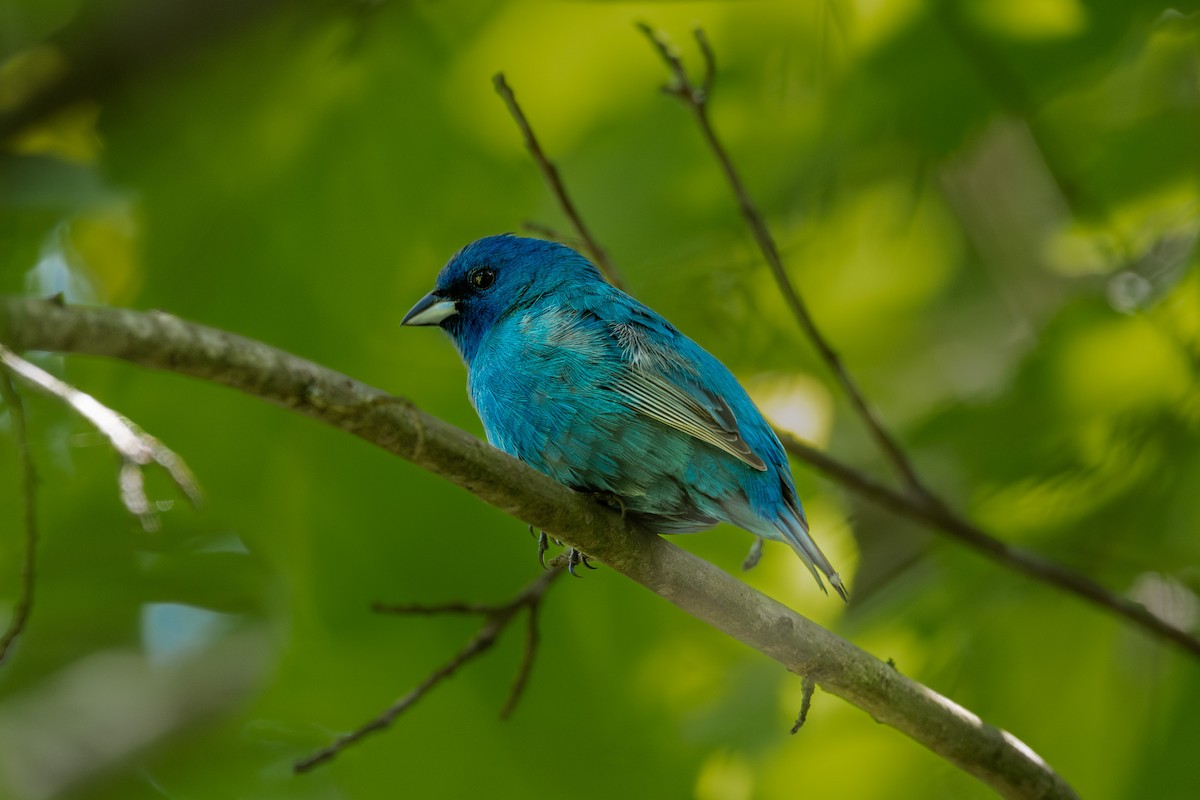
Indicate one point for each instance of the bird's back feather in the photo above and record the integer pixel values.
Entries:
(578, 379)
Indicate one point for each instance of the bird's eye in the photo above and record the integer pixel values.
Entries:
(482, 278)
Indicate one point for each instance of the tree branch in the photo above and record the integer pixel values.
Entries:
(24, 604)
(550, 173)
(919, 503)
(162, 341)
(933, 513)
(496, 619)
(136, 449)
(696, 99)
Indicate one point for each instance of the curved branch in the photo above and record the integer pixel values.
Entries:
(162, 341)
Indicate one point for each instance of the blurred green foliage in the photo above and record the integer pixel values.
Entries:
(991, 206)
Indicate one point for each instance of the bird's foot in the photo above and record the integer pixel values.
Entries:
(752, 558)
(610, 500)
(574, 559)
(543, 543)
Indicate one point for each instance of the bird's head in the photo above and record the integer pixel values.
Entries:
(491, 277)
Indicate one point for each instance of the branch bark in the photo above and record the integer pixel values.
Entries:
(161, 341)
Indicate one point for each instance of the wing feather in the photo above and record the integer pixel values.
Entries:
(643, 386)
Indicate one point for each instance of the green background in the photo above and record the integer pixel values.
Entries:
(990, 206)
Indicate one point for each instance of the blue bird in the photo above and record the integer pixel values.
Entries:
(584, 383)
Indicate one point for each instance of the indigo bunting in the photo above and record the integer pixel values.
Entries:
(584, 383)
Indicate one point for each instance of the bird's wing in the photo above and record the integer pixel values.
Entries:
(648, 387)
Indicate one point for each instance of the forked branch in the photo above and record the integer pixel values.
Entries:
(695, 97)
(496, 619)
(135, 448)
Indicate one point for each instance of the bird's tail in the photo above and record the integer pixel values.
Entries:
(794, 528)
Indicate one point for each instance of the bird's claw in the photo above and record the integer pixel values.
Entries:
(574, 559)
(752, 558)
(610, 500)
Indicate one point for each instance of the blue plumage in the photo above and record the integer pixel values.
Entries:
(589, 386)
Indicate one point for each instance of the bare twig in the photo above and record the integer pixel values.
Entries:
(532, 639)
(550, 172)
(696, 99)
(136, 449)
(1027, 562)
(807, 687)
(161, 341)
(24, 604)
(919, 504)
(546, 232)
(496, 620)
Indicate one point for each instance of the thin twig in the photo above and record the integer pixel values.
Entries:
(521, 679)
(24, 605)
(136, 449)
(550, 172)
(421, 609)
(496, 620)
(922, 505)
(696, 99)
(807, 687)
(1027, 562)
(546, 232)
(478, 645)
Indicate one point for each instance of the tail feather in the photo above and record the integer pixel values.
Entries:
(795, 532)
(787, 524)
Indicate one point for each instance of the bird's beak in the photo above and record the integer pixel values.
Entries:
(430, 310)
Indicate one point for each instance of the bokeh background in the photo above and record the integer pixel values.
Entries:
(991, 207)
